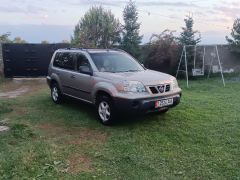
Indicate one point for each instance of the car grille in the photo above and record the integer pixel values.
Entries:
(159, 89)
(167, 89)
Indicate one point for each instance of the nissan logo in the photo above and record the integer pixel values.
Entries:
(161, 88)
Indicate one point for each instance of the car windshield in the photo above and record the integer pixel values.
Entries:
(115, 62)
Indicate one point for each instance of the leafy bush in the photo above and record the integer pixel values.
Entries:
(162, 52)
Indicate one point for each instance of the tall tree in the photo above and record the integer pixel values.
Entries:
(187, 37)
(131, 38)
(97, 29)
(234, 41)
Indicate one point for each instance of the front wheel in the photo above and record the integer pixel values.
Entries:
(105, 110)
(56, 93)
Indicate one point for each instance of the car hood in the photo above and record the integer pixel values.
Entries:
(147, 77)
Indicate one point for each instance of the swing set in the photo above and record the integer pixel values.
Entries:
(199, 71)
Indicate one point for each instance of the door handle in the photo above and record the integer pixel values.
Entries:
(72, 76)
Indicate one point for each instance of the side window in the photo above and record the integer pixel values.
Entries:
(82, 61)
(64, 60)
(68, 61)
(57, 60)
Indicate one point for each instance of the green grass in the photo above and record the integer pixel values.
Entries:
(199, 139)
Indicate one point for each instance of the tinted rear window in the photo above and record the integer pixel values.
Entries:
(64, 60)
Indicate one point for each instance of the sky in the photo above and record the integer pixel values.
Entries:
(54, 20)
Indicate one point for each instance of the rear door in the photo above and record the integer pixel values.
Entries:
(65, 67)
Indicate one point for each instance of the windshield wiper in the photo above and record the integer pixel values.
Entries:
(131, 70)
(109, 71)
(127, 71)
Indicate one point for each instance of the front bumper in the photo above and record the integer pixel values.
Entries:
(144, 105)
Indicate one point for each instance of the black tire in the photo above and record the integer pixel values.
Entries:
(56, 94)
(108, 115)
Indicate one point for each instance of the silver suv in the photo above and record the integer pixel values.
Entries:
(111, 80)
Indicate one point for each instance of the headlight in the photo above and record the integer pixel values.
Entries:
(131, 86)
(174, 83)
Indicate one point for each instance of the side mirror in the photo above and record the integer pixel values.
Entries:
(85, 70)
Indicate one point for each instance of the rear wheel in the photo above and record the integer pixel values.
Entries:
(105, 110)
(56, 93)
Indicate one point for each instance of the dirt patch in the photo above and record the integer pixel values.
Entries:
(4, 128)
(18, 87)
(80, 163)
(75, 136)
(20, 110)
(15, 93)
(78, 135)
(5, 121)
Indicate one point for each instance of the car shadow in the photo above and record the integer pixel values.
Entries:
(139, 119)
(123, 119)
(79, 105)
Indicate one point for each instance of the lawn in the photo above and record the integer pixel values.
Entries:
(199, 139)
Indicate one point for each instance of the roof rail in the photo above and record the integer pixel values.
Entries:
(84, 49)
(117, 49)
(73, 48)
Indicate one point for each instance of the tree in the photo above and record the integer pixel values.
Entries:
(187, 37)
(161, 53)
(131, 38)
(4, 38)
(19, 40)
(234, 41)
(97, 29)
(44, 42)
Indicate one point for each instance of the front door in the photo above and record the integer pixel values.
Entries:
(83, 83)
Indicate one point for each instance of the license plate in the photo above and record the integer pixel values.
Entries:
(163, 103)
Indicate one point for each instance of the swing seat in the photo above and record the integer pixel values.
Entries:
(197, 72)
